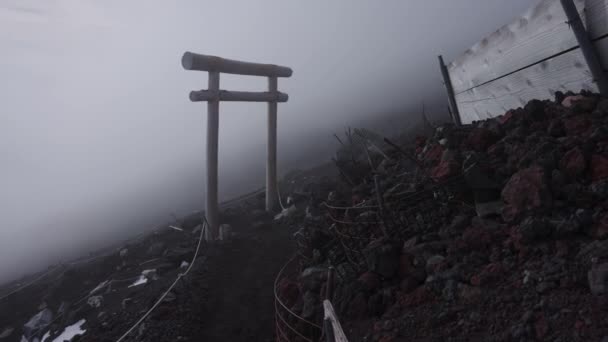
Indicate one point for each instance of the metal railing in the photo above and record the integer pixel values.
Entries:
(289, 326)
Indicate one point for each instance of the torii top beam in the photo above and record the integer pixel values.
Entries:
(194, 61)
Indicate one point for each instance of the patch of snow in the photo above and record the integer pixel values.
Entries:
(176, 228)
(144, 277)
(46, 335)
(140, 281)
(150, 274)
(184, 264)
(146, 272)
(71, 331)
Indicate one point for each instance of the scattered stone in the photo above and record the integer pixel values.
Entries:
(433, 263)
(95, 301)
(545, 286)
(156, 249)
(37, 323)
(126, 302)
(570, 100)
(533, 229)
(598, 279)
(6, 332)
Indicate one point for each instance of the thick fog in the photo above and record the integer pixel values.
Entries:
(99, 140)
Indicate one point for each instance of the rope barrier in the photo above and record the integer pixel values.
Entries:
(279, 196)
(30, 283)
(352, 222)
(179, 276)
(347, 208)
(276, 296)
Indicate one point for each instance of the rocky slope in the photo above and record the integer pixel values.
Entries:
(494, 231)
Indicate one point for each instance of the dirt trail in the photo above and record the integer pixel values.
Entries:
(231, 296)
(241, 297)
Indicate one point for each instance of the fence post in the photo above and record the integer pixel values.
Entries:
(212, 159)
(271, 163)
(329, 330)
(593, 62)
(448, 87)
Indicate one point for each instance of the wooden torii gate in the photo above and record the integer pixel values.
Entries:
(213, 95)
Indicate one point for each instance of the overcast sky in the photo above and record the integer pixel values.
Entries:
(98, 138)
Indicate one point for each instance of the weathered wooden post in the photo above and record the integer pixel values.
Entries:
(213, 95)
(271, 163)
(448, 87)
(584, 41)
(213, 125)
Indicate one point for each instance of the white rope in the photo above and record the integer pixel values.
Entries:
(30, 283)
(179, 276)
(279, 196)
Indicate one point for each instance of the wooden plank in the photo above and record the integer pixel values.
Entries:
(540, 33)
(243, 96)
(194, 61)
(330, 315)
(565, 72)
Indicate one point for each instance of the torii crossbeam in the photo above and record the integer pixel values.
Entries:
(213, 95)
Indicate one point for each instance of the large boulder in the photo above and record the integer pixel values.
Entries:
(526, 190)
(534, 229)
(598, 279)
(448, 167)
(383, 258)
(573, 163)
(599, 167)
(480, 139)
(37, 323)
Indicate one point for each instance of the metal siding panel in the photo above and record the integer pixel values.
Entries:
(538, 34)
(596, 17)
(541, 81)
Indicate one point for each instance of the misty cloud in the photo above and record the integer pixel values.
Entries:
(98, 138)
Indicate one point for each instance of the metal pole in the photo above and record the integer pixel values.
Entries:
(593, 62)
(271, 164)
(213, 108)
(448, 87)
